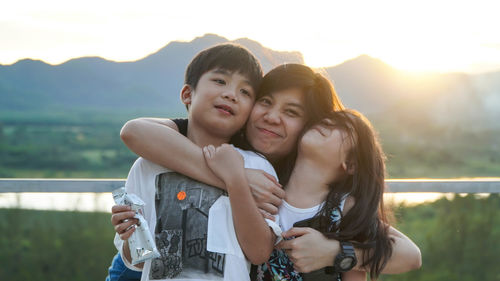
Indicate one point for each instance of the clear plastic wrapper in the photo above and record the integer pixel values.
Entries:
(141, 243)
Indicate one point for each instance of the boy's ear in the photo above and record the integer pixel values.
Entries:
(348, 168)
(186, 94)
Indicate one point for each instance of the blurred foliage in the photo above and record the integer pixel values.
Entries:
(87, 145)
(427, 150)
(70, 148)
(52, 245)
(458, 239)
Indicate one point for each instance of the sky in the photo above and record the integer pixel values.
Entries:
(417, 36)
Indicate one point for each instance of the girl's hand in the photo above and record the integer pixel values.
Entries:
(122, 219)
(224, 161)
(309, 250)
(266, 191)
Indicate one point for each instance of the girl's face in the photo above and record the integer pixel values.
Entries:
(326, 145)
(276, 122)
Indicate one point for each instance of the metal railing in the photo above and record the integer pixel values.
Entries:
(474, 185)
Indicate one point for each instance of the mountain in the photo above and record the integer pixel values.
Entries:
(153, 83)
(366, 84)
(91, 82)
(451, 99)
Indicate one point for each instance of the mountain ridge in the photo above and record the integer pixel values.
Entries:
(153, 83)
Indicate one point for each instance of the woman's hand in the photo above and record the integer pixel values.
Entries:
(122, 219)
(266, 190)
(309, 250)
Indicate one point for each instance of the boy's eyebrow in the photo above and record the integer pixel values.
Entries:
(222, 71)
(227, 72)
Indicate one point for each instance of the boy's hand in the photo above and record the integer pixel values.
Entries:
(266, 191)
(122, 219)
(224, 161)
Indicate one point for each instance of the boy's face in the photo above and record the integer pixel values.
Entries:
(221, 102)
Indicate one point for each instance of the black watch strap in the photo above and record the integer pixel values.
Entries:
(346, 254)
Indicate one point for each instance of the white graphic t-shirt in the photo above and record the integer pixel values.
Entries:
(191, 222)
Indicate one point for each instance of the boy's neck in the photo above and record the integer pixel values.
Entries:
(203, 137)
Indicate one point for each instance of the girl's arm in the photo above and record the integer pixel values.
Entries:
(311, 250)
(354, 275)
(159, 141)
(405, 256)
(254, 235)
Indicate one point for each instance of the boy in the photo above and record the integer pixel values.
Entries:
(191, 221)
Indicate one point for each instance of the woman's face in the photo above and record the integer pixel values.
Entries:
(276, 122)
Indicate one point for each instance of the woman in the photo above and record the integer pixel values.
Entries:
(291, 97)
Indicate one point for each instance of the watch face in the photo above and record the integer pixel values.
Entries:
(346, 263)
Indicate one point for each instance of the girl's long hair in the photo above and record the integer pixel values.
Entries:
(366, 223)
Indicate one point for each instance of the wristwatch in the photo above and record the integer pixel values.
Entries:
(345, 260)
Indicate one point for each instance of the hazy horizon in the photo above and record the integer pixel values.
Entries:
(427, 36)
(318, 67)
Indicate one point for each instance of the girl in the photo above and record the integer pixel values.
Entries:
(338, 180)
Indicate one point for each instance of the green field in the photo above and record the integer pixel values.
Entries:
(83, 145)
(87, 145)
(458, 239)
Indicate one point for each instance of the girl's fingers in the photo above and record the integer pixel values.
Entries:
(285, 245)
(209, 151)
(296, 232)
(266, 215)
(273, 179)
(268, 208)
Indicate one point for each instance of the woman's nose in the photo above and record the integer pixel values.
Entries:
(272, 116)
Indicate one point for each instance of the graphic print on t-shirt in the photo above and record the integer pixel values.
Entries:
(182, 206)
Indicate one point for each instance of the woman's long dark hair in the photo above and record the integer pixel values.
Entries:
(366, 222)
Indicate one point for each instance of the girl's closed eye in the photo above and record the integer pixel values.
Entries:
(327, 123)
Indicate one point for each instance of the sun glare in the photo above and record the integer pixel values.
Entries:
(426, 35)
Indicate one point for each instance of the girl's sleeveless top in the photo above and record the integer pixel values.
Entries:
(279, 266)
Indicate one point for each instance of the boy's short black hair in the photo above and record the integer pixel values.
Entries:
(231, 57)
